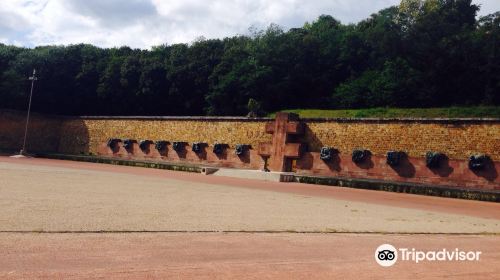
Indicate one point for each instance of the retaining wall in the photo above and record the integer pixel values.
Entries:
(456, 138)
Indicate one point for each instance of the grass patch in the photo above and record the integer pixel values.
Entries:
(450, 112)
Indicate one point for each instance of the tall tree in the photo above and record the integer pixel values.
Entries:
(421, 53)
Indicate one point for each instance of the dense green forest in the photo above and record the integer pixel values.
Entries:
(433, 53)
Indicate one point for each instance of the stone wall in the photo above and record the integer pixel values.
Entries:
(457, 139)
(43, 134)
(97, 130)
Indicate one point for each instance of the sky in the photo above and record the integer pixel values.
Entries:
(147, 23)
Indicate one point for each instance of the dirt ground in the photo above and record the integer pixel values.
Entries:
(234, 256)
(63, 219)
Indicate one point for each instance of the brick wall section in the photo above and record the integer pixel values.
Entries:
(43, 133)
(457, 139)
(98, 131)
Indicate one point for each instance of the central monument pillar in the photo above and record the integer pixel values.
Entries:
(282, 149)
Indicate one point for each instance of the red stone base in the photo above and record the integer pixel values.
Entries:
(250, 160)
(452, 173)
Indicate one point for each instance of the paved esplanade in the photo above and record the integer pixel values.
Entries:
(56, 196)
(49, 198)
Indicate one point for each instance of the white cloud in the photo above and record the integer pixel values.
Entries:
(144, 23)
(488, 6)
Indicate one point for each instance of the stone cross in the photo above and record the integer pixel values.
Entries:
(281, 150)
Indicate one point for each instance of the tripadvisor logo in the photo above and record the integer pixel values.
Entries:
(387, 255)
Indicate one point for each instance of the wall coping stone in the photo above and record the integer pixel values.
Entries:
(407, 120)
(174, 118)
(455, 121)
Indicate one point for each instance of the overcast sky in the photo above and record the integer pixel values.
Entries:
(146, 23)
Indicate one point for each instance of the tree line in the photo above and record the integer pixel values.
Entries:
(422, 53)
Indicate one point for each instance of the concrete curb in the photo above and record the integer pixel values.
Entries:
(125, 162)
(410, 188)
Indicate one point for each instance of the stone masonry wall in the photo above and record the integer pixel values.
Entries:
(98, 131)
(457, 139)
(43, 133)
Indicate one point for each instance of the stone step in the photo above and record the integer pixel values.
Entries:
(249, 174)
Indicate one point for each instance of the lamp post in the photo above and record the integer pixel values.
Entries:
(32, 79)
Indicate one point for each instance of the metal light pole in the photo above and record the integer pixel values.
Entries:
(32, 79)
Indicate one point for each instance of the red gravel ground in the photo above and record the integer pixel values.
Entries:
(235, 256)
